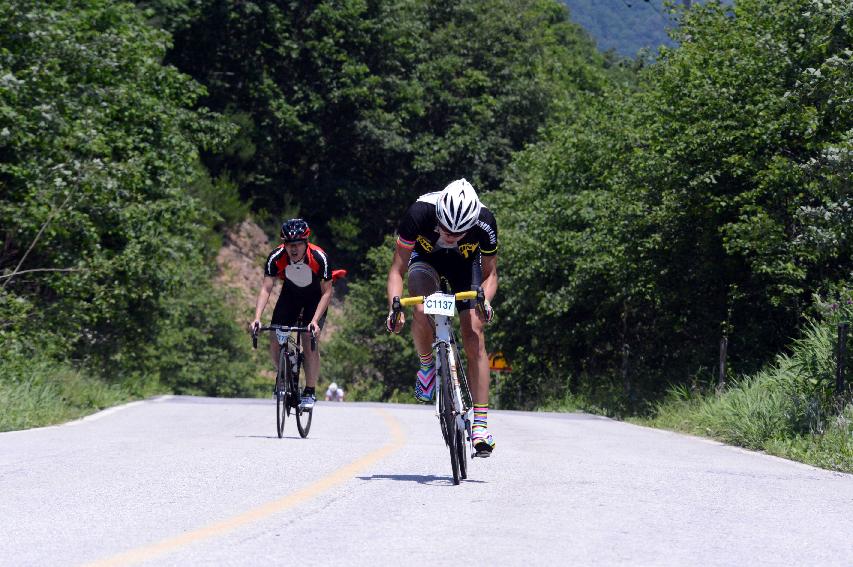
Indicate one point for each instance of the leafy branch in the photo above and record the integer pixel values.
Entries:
(17, 269)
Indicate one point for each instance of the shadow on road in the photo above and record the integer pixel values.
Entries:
(267, 437)
(419, 478)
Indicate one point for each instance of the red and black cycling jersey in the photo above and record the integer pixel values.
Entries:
(301, 289)
(302, 277)
(418, 231)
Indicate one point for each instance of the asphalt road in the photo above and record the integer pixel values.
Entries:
(198, 481)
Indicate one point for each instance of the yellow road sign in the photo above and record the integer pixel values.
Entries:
(498, 363)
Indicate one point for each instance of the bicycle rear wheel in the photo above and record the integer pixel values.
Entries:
(461, 375)
(446, 412)
(281, 400)
(303, 417)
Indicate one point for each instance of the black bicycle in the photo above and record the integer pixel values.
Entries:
(289, 381)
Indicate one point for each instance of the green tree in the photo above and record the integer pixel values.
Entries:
(493, 73)
(569, 271)
(98, 151)
(353, 108)
(362, 357)
(710, 202)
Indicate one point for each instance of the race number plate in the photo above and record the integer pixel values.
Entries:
(440, 304)
(282, 336)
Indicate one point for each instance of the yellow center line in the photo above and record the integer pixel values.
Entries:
(340, 476)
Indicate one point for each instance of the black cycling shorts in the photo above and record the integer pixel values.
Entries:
(291, 311)
(461, 274)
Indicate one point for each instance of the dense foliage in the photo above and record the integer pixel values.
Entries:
(350, 109)
(714, 207)
(101, 247)
(370, 362)
(571, 70)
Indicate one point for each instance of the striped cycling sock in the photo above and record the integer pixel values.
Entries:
(479, 432)
(481, 413)
(425, 383)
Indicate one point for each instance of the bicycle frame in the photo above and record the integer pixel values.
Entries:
(444, 336)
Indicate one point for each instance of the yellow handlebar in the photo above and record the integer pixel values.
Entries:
(418, 299)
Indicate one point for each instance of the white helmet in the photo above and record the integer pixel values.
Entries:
(333, 386)
(458, 207)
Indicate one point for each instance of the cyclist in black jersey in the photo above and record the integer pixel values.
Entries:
(449, 234)
(306, 292)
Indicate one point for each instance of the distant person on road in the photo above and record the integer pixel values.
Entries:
(307, 289)
(334, 393)
(449, 234)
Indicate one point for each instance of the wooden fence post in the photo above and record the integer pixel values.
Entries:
(841, 355)
(724, 347)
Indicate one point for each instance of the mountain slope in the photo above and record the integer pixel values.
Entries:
(624, 26)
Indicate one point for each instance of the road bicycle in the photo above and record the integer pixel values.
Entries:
(289, 381)
(453, 405)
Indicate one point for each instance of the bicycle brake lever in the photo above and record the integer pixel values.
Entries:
(396, 309)
(481, 296)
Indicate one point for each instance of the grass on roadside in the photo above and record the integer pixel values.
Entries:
(788, 409)
(40, 393)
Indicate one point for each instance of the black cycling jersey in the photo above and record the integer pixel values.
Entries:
(460, 264)
(418, 231)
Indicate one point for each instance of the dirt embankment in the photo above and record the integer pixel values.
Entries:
(241, 269)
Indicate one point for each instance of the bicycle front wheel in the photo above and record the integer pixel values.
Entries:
(446, 415)
(461, 455)
(303, 417)
(281, 397)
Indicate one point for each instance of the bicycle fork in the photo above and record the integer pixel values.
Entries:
(463, 420)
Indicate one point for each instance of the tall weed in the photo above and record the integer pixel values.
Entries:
(39, 392)
(789, 409)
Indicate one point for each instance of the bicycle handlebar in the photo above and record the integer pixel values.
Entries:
(286, 329)
(397, 303)
(418, 299)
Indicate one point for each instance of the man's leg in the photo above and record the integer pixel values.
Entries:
(423, 280)
(473, 338)
(274, 351)
(312, 361)
(312, 371)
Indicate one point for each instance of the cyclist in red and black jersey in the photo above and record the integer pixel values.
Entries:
(305, 295)
(449, 234)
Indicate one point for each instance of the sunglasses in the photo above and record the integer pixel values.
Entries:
(452, 234)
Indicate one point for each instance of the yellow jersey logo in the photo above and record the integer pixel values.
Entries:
(467, 249)
(424, 243)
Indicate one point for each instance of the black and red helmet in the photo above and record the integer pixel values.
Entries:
(295, 230)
